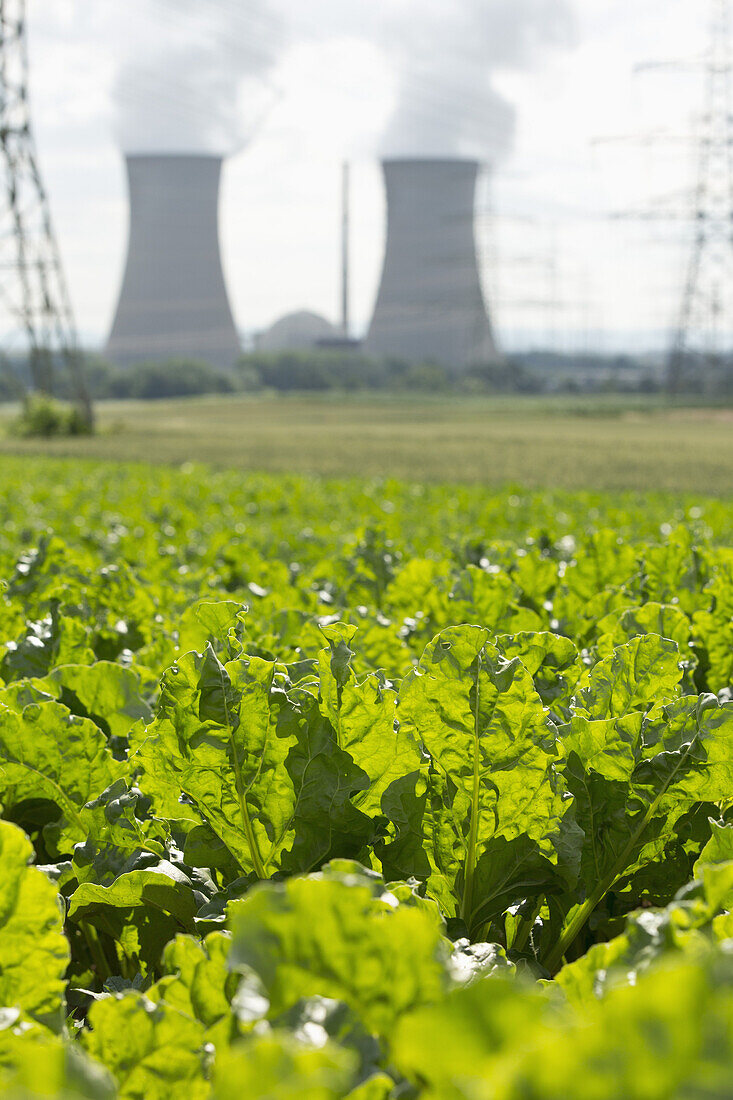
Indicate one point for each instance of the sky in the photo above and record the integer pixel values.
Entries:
(545, 92)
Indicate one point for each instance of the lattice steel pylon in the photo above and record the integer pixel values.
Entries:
(36, 318)
(701, 354)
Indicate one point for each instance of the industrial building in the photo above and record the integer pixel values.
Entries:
(174, 300)
(430, 306)
(299, 331)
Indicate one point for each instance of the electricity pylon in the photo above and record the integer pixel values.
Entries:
(699, 354)
(36, 318)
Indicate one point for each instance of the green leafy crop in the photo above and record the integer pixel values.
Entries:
(375, 791)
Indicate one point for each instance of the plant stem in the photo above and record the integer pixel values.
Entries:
(338, 715)
(575, 926)
(470, 864)
(571, 930)
(239, 783)
(527, 924)
(248, 830)
(96, 950)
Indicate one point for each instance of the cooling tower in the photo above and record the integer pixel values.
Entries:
(430, 305)
(174, 301)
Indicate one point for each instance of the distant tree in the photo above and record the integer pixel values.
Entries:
(43, 417)
(172, 378)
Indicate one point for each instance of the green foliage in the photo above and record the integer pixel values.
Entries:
(668, 1035)
(36, 1063)
(491, 783)
(274, 823)
(43, 417)
(52, 757)
(152, 1051)
(350, 370)
(33, 951)
(337, 935)
(280, 1068)
(153, 380)
(198, 982)
(173, 378)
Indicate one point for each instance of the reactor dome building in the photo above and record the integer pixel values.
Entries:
(299, 331)
(174, 302)
(430, 306)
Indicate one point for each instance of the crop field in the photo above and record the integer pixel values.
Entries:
(612, 443)
(379, 789)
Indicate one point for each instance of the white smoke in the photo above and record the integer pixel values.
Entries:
(200, 74)
(196, 76)
(448, 58)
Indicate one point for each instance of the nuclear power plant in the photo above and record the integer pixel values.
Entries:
(174, 303)
(174, 300)
(430, 306)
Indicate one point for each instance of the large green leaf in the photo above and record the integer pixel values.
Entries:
(552, 661)
(493, 752)
(36, 1063)
(216, 737)
(338, 935)
(719, 849)
(633, 779)
(212, 622)
(108, 693)
(261, 768)
(364, 717)
(278, 1067)
(48, 753)
(199, 983)
(120, 831)
(34, 953)
(139, 913)
(164, 887)
(667, 1035)
(666, 620)
(643, 672)
(153, 1051)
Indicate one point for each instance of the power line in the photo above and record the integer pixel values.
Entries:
(698, 355)
(707, 304)
(33, 292)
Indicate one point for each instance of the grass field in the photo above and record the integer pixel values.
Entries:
(574, 443)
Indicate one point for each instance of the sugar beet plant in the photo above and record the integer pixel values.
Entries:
(275, 825)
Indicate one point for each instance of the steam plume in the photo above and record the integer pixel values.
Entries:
(198, 75)
(195, 78)
(448, 104)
